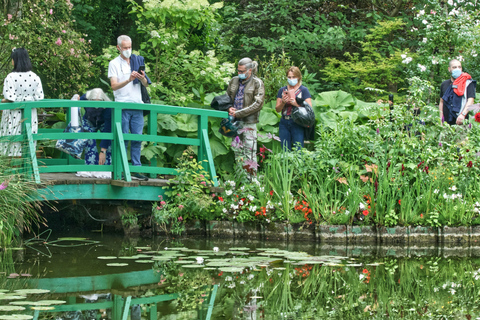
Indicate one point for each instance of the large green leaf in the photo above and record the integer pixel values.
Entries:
(328, 119)
(334, 100)
(187, 122)
(151, 150)
(268, 117)
(59, 125)
(218, 147)
(370, 110)
(166, 122)
(352, 116)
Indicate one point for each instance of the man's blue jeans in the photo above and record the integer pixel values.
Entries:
(291, 134)
(132, 122)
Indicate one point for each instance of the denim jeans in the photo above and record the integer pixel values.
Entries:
(132, 122)
(291, 134)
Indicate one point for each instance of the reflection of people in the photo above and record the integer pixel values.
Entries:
(291, 134)
(248, 94)
(126, 79)
(456, 94)
(93, 121)
(19, 85)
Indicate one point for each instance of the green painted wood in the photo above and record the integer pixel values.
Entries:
(162, 139)
(32, 163)
(69, 135)
(213, 295)
(155, 299)
(116, 157)
(36, 313)
(152, 132)
(117, 307)
(152, 312)
(209, 158)
(126, 308)
(99, 192)
(123, 152)
(96, 283)
(75, 168)
(82, 306)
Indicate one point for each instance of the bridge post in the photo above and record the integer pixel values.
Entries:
(152, 130)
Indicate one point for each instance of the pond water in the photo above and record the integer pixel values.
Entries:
(234, 279)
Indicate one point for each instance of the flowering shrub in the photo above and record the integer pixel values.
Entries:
(59, 54)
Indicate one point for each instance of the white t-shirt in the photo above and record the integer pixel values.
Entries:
(120, 69)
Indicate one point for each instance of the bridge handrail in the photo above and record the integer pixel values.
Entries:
(119, 159)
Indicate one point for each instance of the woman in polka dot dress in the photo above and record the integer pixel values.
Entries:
(19, 85)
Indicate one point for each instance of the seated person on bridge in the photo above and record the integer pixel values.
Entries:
(94, 120)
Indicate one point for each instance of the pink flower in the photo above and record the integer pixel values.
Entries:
(11, 37)
(64, 31)
(72, 51)
(162, 203)
(180, 219)
(180, 206)
(58, 42)
(158, 208)
(161, 197)
(51, 11)
(204, 183)
(4, 185)
(9, 16)
(202, 176)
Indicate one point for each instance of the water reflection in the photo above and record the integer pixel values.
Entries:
(243, 279)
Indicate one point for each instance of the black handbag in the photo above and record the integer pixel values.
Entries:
(222, 103)
(304, 115)
(145, 98)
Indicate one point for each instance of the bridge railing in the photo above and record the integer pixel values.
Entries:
(119, 153)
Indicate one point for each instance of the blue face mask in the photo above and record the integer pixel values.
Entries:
(293, 82)
(242, 76)
(456, 73)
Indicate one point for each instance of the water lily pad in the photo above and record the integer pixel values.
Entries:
(144, 261)
(22, 303)
(118, 264)
(193, 266)
(11, 297)
(231, 269)
(71, 239)
(209, 268)
(239, 249)
(42, 308)
(107, 257)
(11, 308)
(16, 317)
(4, 290)
(129, 257)
(143, 248)
(48, 302)
(183, 262)
(32, 291)
(161, 258)
(310, 262)
(218, 264)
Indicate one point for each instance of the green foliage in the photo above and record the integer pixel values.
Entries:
(376, 66)
(59, 54)
(178, 46)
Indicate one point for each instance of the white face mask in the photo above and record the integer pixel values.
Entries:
(127, 53)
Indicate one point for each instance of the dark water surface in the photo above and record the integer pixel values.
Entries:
(249, 279)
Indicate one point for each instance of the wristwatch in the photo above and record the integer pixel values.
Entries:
(103, 151)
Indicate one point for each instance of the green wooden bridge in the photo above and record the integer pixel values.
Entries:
(126, 289)
(56, 176)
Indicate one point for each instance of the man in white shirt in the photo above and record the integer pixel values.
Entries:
(126, 83)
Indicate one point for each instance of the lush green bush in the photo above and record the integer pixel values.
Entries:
(58, 52)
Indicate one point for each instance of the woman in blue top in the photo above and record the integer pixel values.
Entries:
(291, 134)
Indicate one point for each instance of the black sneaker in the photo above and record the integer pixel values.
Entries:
(139, 176)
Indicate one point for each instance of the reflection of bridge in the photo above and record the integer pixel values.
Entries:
(58, 174)
(127, 289)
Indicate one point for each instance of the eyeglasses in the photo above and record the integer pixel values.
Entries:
(242, 71)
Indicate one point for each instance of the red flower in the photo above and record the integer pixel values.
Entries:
(365, 212)
(400, 202)
(220, 274)
(477, 117)
(365, 271)
(220, 199)
(271, 192)
(421, 215)
(470, 164)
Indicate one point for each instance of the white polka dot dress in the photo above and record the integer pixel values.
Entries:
(17, 87)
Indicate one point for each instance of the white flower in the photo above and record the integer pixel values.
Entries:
(228, 278)
(250, 276)
(424, 21)
(450, 2)
(362, 206)
(202, 73)
(436, 191)
(421, 13)
(407, 60)
(232, 285)
(253, 209)
(228, 192)
(250, 197)
(435, 289)
(414, 29)
(224, 210)
(453, 188)
(240, 202)
(434, 61)
(403, 57)
(422, 68)
(452, 291)
(199, 260)
(215, 249)
(424, 40)
(242, 188)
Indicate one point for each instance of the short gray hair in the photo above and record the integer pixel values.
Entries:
(452, 61)
(249, 64)
(123, 38)
(96, 94)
